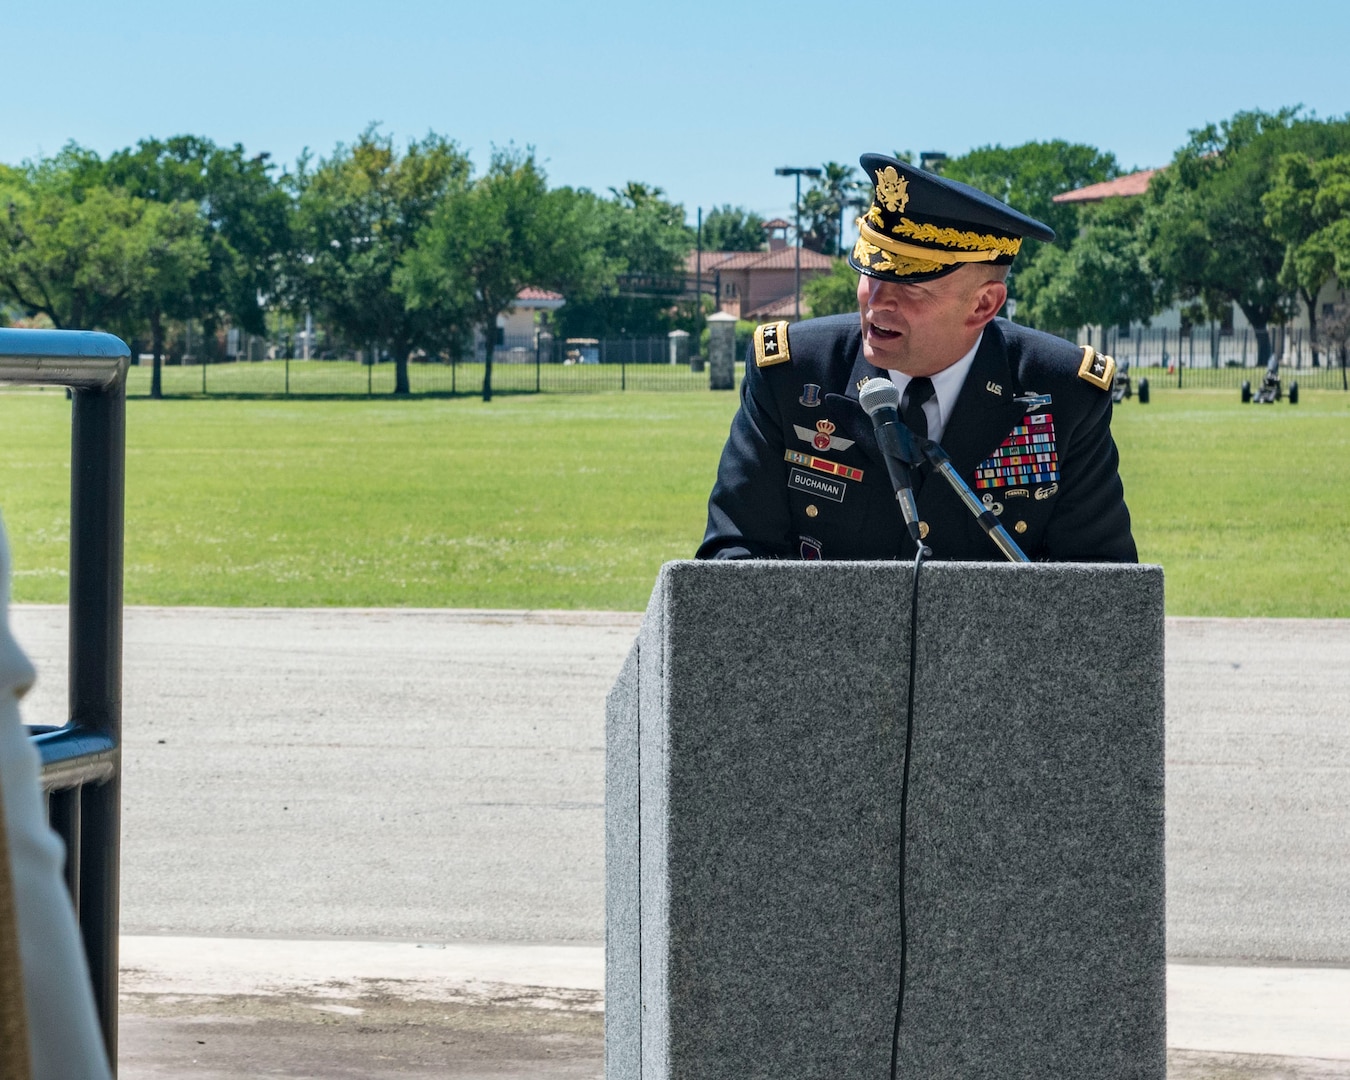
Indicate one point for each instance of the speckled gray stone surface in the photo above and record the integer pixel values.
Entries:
(623, 997)
(766, 735)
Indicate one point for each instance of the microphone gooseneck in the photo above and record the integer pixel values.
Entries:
(901, 448)
(880, 399)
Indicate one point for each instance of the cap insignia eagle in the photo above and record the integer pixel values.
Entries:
(892, 189)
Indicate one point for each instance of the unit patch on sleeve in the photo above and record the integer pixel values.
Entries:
(1027, 456)
(771, 344)
(1097, 368)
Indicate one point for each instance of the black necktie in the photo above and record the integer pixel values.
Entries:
(911, 406)
(911, 412)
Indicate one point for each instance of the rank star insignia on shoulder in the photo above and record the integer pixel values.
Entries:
(1097, 368)
(771, 344)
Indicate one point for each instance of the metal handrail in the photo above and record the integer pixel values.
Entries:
(81, 761)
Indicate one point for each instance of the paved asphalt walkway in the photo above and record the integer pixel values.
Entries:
(370, 843)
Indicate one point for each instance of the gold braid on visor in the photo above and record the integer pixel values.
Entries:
(939, 257)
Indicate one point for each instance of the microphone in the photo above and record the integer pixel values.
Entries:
(880, 399)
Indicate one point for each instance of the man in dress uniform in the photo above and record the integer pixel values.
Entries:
(1024, 416)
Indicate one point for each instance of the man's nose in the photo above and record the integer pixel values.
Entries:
(882, 294)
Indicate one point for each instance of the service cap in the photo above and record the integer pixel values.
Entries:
(921, 225)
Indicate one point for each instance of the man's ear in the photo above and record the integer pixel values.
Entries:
(989, 299)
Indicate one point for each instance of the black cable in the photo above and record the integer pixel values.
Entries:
(904, 804)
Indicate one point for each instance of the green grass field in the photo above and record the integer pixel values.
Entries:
(575, 501)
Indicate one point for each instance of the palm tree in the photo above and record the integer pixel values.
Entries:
(844, 190)
(824, 205)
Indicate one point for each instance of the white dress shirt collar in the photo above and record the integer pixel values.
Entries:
(947, 385)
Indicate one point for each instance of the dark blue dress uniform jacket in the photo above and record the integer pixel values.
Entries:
(760, 509)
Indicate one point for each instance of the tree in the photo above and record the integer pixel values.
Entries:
(641, 236)
(732, 228)
(358, 215)
(489, 239)
(1028, 177)
(176, 258)
(86, 255)
(241, 221)
(835, 293)
(1101, 278)
(244, 218)
(1206, 226)
(825, 204)
(1308, 210)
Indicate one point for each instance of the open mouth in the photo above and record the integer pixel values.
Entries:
(882, 333)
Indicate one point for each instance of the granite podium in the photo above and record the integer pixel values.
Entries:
(754, 751)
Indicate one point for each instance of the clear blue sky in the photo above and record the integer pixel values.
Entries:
(701, 98)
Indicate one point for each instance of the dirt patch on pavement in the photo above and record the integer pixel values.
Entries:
(1199, 1065)
(367, 1038)
(380, 1037)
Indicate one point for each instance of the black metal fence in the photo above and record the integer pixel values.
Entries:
(1207, 358)
(533, 367)
(81, 761)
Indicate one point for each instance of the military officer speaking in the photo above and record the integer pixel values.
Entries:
(1025, 417)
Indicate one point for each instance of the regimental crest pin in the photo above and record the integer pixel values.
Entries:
(823, 438)
(810, 548)
(824, 435)
(810, 395)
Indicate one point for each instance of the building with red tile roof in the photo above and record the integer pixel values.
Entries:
(1134, 184)
(751, 282)
(531, 297)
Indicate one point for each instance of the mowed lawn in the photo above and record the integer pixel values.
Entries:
(526, 502)
(558, 501)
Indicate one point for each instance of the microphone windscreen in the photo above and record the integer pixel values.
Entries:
(878, 394)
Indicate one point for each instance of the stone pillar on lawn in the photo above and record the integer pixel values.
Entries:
(722, 351)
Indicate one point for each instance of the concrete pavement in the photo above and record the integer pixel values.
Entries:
(297, 779)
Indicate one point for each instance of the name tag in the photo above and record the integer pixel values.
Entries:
(823, 486)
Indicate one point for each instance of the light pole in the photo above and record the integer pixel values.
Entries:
(932, 160)
(792, 170)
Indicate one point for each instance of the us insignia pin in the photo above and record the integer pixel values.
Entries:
(994, 388)
(810, 395)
